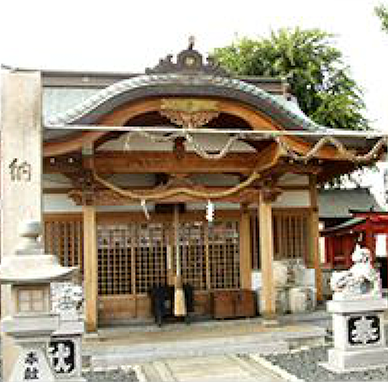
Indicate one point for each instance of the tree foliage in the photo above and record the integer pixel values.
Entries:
(312, 66)
(382, 12)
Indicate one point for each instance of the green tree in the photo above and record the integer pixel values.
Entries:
(313, 67)
(382, 12)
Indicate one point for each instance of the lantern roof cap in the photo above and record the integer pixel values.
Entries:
(30, 264)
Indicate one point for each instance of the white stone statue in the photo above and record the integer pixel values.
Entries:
(360, 281)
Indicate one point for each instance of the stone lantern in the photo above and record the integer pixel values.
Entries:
(29, 273)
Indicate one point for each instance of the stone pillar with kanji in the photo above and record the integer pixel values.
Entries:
(29, 273)
(357, 309)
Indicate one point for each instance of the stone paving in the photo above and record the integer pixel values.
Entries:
(230, 350)
(225, 368)
(124, 346)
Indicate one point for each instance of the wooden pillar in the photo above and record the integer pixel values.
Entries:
(266, 256)
(21, 173)
(314, 237)
(245, 249)
(90, 268)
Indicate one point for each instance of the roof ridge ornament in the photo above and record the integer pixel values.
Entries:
(189, 61)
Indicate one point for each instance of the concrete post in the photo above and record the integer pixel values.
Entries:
(21, 172)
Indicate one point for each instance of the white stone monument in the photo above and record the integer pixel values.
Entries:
(29, 272)
(65, 348)
(357, 308)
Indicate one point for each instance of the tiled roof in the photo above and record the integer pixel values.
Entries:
(58, 100)
(168, 84)
(348, 224)
(337, 203)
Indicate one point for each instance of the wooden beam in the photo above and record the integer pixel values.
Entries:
(314, 229)
(72, 143)
(266, 257)
(297, 168)
(57, 190)
(159, 162)
(245, 249)
(90, 268)
(168, 162)
(105, 197)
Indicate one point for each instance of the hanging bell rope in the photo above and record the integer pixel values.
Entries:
(179, 295)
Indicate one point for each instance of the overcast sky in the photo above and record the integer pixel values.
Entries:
(123, 35)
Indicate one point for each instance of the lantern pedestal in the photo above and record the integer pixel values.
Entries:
(359, 337)
(32, 334)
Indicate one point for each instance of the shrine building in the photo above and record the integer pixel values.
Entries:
(183, 170)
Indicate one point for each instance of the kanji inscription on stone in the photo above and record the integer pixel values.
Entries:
(363, 330)
(20, 170)
(62, 356)
(31, 372)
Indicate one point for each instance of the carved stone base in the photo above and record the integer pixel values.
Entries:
(32, 364)
(359, 337)
(65, 350)
(341, 361)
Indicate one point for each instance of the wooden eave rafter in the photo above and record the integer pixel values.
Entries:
(333, 169)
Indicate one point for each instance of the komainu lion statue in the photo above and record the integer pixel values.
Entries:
(360, 281)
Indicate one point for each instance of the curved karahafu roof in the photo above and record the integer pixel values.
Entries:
(190, 78)
(285, 113)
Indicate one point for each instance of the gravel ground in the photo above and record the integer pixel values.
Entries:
(118, 375)
(304, 364)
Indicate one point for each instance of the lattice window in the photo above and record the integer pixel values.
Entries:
(64, 237)
(291, 235)
(224, 255)
(114, 259)
(133, 257)
(291, 231)
(151, 255)
(193, 254)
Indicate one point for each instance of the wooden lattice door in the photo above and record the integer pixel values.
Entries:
(210, 254)
(136, 255)
(132, 258)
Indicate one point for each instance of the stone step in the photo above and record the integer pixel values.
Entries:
(124, 355)
(105, 356)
